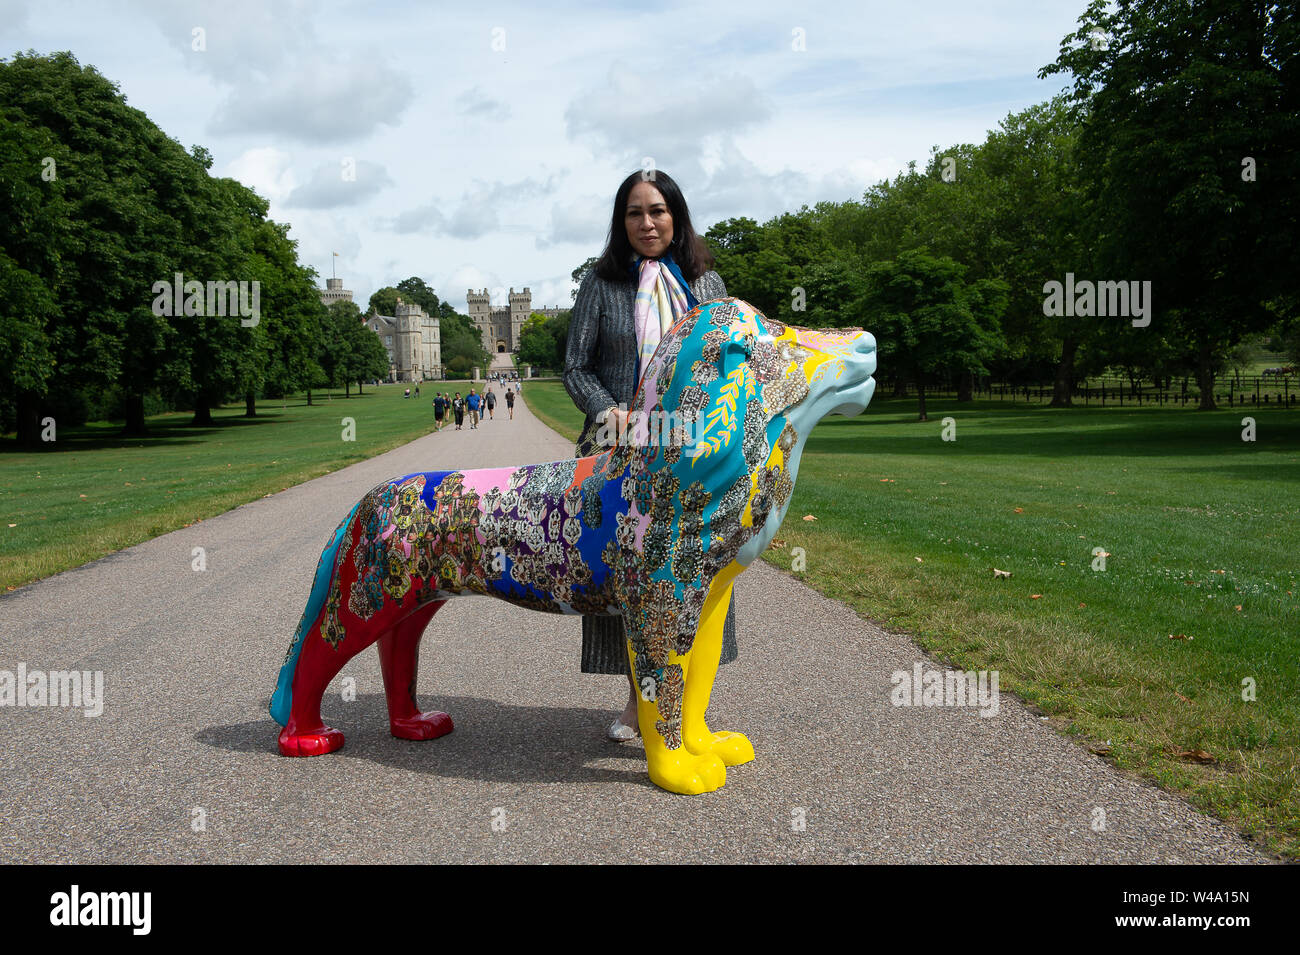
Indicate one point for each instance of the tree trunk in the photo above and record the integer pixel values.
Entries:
(250, 405)
(1205, 378)
(29, 420)
(309, 396)
(900, 386)
(133, 407)
(966, 386)
(202, 413)
(1062, 387)
(920, 395)
(347, 389)
(359, 391)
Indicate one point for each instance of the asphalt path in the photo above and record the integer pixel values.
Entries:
(182, 766)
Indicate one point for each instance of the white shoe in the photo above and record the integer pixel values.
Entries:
(619, 731)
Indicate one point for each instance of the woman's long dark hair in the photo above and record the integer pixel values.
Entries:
(688, 249)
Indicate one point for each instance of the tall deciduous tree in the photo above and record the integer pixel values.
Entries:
(1189, 114)
(928, 321)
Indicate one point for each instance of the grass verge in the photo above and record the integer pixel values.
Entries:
(1152, 659)
(92, 492)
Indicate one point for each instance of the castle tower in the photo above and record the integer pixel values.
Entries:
(520, 303)
(480, 313)
(335, 292)
(408, 340)
(501, 327)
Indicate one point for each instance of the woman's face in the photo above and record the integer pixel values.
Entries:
(649, 223)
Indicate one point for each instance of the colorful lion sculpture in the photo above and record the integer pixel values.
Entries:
(656, 528)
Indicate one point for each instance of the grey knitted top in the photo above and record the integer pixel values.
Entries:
(600, 359)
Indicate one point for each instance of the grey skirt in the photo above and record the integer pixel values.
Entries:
(604, 638)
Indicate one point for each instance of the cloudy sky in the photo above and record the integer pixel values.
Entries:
(480, 144)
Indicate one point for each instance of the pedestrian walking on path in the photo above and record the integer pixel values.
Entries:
(491, 404)
(510, 403)
(458, 409)
(439, 410)
(654, 269)
(472, 403)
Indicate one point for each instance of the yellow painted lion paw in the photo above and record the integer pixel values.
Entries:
(681, 771)
(732, 748)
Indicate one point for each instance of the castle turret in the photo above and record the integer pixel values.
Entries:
(335, 292)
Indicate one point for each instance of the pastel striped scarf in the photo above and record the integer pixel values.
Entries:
(662, 297)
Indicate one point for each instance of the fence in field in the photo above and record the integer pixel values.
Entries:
(1253, 391)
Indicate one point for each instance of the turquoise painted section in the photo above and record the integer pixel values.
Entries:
(282, 698)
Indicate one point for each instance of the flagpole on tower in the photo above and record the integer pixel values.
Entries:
(333, 256)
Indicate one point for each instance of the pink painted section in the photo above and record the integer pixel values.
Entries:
(482, 480)
(826, 341)
(643, 521)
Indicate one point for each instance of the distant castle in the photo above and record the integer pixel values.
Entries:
(500, 325)
(334, 292)
(413, 340)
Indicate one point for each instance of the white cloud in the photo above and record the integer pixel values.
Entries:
(666, 116)
(583, 220)
(282, 78)
(266, 170)
(13, 14)
(345, 183)
(477, 104)
(477, 212)
(335, 101)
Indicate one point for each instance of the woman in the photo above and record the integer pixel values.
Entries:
(653, 270)
(458, 409)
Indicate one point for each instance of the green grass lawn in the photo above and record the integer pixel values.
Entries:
(551, 403)
(1202, 531)
(92, 492)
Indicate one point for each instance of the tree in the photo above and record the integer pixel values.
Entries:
(1029, 215)
(536, 343)
(103, 212)
(126, 208)
(383, 301)
(1188, 113)
(350, 351)
(558, 327)
(417, 291)
(32, 245)
(834, 289)
(580, 273)
(930, 320)
(292, 316)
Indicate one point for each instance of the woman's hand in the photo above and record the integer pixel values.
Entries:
(616, 421)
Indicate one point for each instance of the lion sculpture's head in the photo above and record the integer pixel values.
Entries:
(717, 430)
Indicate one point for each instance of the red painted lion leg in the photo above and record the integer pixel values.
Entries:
(399, 658)
(304, 734)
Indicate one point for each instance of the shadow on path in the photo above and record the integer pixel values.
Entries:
(493, 741)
